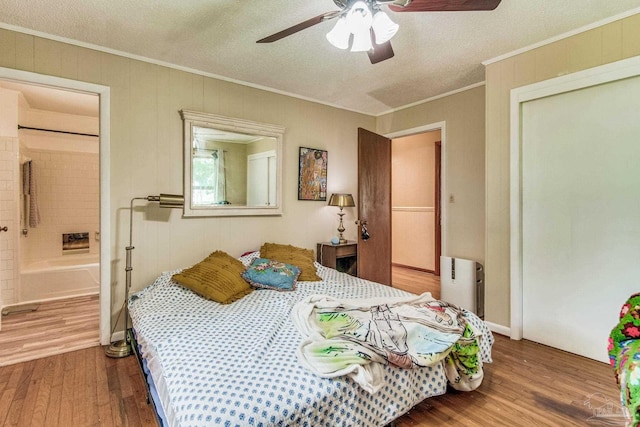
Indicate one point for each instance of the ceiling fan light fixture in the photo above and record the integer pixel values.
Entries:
(340, 34)
(361, 41)
(383, 27)
(359, 20)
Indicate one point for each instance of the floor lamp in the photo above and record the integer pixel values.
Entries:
(122, 348)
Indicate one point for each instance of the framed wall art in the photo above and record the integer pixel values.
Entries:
(312, 174)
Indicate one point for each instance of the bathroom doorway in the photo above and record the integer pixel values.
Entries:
(53, 240)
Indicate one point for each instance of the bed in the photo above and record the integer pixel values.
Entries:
(210, 364)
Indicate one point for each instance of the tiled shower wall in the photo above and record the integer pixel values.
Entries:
(9, 218)
(68, 198)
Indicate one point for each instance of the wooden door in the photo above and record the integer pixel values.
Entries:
(374, 206)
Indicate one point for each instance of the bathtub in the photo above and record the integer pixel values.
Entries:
(65, 276)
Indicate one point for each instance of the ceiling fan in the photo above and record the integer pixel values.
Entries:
(363, 25)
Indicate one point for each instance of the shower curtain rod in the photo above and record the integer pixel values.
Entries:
(57, 131)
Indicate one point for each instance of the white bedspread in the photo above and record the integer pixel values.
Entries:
(236, 365)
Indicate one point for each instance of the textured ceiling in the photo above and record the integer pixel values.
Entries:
(435, 52)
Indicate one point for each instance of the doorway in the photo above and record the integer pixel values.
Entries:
(99, 234)
(415, 183)
(55, 230)
(371, 198)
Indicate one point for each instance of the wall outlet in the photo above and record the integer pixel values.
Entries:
(452, 198)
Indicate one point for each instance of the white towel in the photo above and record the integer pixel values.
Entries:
(29, 189)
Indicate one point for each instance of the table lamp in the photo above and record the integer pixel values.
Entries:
(341, 200)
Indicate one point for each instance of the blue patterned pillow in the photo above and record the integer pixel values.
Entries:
(272, 274)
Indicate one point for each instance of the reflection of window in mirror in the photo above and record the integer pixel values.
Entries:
(233, 166)
(209, 183)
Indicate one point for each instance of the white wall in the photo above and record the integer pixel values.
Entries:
(68, 199)
(8, 214)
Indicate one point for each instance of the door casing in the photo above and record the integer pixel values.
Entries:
(439, 196)
(105, 221)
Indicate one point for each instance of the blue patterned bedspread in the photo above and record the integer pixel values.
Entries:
(236, 364)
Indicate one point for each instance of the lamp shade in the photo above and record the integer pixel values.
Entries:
(383, 27)
(171, 200)
(359, 21)
(361, 41)
(342, 200)
(340, 34)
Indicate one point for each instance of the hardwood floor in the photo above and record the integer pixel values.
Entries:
(528, 384)
(415, 281)
(82, 388)
(55, 327)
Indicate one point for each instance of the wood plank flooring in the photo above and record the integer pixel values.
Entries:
(415, 281)
(528, 384)
(55, 327)
(80, 388)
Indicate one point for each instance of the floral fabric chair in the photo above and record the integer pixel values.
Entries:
(624, 356)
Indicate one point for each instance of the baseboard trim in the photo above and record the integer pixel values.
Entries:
(499, 329)
(410, 267)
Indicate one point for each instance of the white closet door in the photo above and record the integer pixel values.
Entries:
(261, 179)
(580, 214)
(272, 180)
(257, 181)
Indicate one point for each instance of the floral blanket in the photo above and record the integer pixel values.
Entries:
(624, 356)
(357, 337)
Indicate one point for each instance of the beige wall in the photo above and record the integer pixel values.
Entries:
(412, 169)
(463, 114)
(605, 44)
(413, 200)
(146, 155)
(262, 145)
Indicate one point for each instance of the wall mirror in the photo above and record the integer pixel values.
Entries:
(232, 167)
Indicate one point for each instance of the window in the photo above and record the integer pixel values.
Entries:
(208, 177)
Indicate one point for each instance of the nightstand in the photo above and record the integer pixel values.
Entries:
(343, 257)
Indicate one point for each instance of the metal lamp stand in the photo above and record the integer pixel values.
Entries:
(122, 348)
(341, 228)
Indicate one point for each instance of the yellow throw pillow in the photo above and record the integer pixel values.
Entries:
(218, 277)
(301, 258)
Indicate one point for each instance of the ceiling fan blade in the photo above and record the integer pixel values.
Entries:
(299, 27)
(380, 52)
(443, 5)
